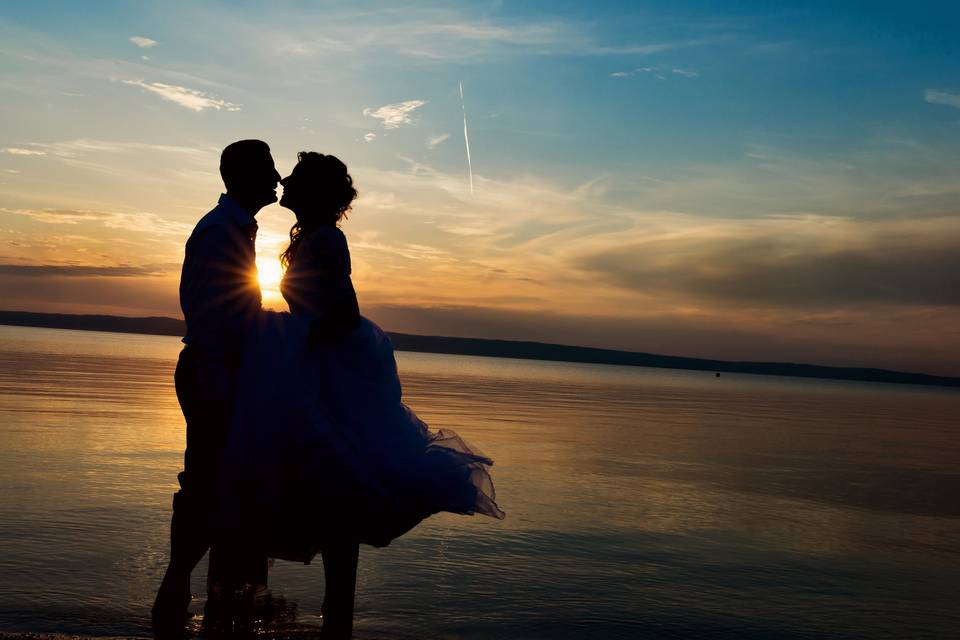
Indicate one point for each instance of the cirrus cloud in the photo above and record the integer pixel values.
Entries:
(143, 43)
(433, 141)
(188, 98)
(935, 96)
(789, 264)
(19, 151)
(141, 221)
(110, 271)
(395, 115)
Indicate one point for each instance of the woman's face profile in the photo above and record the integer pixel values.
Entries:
(295, 189)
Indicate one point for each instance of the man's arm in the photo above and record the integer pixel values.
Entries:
(226, 290)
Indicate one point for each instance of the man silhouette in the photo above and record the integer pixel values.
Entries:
(220, 298)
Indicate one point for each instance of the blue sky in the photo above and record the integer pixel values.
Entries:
(723, 179)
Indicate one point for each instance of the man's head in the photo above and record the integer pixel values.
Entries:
(249, 174)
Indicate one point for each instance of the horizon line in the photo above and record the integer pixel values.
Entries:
(551, 352)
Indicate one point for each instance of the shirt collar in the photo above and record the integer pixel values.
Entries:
(237, 214)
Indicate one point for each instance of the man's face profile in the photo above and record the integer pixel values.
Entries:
(263, 179)
(249, 173)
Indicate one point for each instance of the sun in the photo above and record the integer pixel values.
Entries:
(269, 273)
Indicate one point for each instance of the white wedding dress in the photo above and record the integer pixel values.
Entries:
(321, 446)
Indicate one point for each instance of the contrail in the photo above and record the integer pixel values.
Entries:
(466, 137)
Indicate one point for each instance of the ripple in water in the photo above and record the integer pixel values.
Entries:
(642, 502)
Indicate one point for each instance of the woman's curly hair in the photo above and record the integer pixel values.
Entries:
(329, 177)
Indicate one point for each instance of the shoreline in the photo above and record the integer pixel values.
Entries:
(525, 350)
(33, 635)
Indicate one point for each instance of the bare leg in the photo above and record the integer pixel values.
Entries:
(206, 410)
(187, 546)
(233, 578)
(340, 575)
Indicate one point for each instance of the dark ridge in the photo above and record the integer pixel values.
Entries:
(565, 353)
(506, 349)
(117, 324)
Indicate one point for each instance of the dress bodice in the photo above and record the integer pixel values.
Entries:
(320, 434)
(317, 282)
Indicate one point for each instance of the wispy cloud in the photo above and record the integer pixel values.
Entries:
(143, 43)
(370, 137)
(428, 34)
(808, 263)
(409, 251)
(127, 162)
(55, 216)
(19, 151)
(188, 98)
(90, 145)
(448, 34)
(682, 263)
(936, 96)
(121, 271)
(641, 49)
(145, 222)
(433, 141)
(655, 71)
(395, 115)
(312, 47)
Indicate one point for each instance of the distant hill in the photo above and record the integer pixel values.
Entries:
(504, 349)
(117, 324)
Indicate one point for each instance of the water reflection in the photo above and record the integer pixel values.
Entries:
(643, 503)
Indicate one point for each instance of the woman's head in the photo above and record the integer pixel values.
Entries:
(318, 190)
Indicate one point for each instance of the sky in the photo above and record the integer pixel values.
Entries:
(737, 180)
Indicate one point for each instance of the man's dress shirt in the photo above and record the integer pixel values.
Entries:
(219, 292)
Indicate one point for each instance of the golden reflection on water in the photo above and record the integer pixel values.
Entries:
(684, 492)
(805, 467)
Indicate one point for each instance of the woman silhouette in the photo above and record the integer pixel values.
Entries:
(324, 455)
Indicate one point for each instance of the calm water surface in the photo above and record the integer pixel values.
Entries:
(642, 503)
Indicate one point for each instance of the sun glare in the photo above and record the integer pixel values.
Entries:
(269, 274)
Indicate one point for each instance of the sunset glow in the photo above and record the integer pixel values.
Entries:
(699, 180)
(269, 274)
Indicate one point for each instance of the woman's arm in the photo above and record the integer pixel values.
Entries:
(333, 302)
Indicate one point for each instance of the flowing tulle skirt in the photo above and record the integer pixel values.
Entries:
(322, 447)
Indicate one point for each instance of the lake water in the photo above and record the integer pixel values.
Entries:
(642, 503)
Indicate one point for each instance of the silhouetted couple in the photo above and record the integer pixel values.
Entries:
(298, 442)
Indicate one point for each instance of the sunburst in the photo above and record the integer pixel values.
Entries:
(269, 274)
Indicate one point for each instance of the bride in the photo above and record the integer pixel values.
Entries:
(323, 455)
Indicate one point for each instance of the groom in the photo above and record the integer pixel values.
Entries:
(220, 299)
